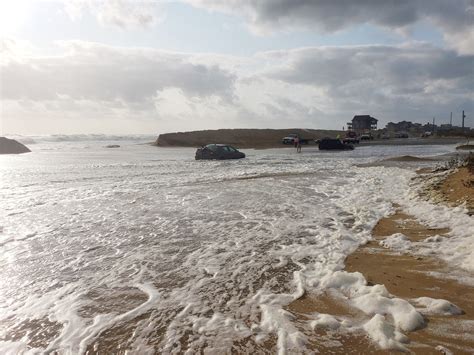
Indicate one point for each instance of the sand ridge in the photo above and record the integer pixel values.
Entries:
(272, 138)
(242, 138)
(453, 188)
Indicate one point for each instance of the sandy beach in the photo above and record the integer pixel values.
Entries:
(422, 280)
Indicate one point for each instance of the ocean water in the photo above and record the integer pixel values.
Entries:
(145, 250)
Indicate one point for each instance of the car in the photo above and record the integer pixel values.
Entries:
(366, 137)
(218, 152)
(350, 141)
(289, 139)
(334, 144)
(351, 138)
(401, 135)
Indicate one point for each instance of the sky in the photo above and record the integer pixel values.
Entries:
(149, 67)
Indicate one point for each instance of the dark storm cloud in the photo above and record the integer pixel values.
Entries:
(453, 18)
(348, 70)
(333, 15)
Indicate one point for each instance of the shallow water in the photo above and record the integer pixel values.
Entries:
(145, 249)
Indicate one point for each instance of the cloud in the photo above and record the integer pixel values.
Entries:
(316, 87)
(91, 82)
(118, 13)
(91, 71)
(322, 14)
(398, 68)
(409, 79)
(454, 18)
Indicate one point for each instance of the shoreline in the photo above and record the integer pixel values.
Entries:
(421, 280)
(432, 286)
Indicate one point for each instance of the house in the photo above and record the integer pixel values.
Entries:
(405, 126)
(362, 123)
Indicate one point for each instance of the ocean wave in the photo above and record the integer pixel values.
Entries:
(53, 138)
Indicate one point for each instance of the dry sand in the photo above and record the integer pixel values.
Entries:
(458, 188)
(452, 189)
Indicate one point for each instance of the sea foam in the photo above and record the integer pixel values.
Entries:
(149, 250)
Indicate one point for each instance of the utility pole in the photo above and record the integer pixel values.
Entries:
(463, 117)
(433, 124)
(451, 120)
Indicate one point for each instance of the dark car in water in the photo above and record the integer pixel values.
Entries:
(218, 152)
(334, 144)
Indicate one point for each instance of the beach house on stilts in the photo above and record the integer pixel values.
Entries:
(362, 124)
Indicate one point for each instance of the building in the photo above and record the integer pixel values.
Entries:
(362, 123)
(405, 126)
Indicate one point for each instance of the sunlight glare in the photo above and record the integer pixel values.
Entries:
(13, 15)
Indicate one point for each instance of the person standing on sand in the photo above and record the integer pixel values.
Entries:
(298, 145)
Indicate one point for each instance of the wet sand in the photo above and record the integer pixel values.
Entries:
(333, 341)
(410, 276)
(407, 276)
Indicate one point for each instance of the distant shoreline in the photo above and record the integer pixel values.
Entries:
(272, 138)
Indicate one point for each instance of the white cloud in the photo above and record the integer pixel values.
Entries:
(119, 13)
(105, 73)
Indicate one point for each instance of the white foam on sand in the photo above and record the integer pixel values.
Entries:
(385, 334)
(432, 306)
(458, 248)
(397, 241)
(325, 321)
(374, 299)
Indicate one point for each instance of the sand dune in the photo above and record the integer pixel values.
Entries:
(240, 138)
